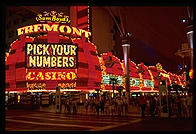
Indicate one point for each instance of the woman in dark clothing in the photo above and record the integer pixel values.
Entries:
(102, 106)
(179, 109)
(68, 106)
(97, 107)
(152, 106)
(142, 103)
(74, 108)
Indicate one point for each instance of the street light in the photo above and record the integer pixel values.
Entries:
(126, 48)
(190, 32)
(126, 52)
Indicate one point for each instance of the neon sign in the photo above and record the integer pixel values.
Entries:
(136, 82)
(51, 55)
(165, 75)
(106, 79)
(53, 16)
(63, 29)
(32, 86)
(159, 66)
(148, 83)
(32, 75)
(67, 85)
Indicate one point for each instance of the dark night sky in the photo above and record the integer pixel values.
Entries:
(157, 33)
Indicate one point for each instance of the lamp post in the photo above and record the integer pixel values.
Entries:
(190, 32)
(126, 52)
(187, 48)
(190, 40)
(126, 48)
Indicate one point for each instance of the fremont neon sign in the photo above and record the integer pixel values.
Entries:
(63, 29)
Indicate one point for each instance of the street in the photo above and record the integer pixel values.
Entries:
(21, 120)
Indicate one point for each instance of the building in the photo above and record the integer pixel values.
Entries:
(56, 48)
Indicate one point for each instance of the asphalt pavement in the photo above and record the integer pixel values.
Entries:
(46, 119)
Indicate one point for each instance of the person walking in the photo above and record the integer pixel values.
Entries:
(189, 105)
(97, 106)
(126, 107)
(178, 106)
(86, 104)
(102, 106)
(147, 105)
(107, 107)
(112, 107)
(152, 106)
(142, 103)
(118, 106)
(93, 106)
(74, 108)
(184, 106)
(157, 109)
(68, 107)
(65, 106)
(170, 101)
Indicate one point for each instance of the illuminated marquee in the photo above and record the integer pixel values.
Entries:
(51, 76)
(148, 83)
(64, 29)
(51, 55)
(136, 82)
(106, 79)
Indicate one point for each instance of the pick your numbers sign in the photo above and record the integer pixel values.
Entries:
(51, 55)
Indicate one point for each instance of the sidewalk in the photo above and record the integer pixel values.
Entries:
(133, 111)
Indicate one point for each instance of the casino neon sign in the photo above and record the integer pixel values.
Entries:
(33, 75)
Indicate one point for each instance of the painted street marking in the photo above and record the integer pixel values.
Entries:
(19, 129)
(100, 118)
(49, 124)
(54, 119)
(113, 126)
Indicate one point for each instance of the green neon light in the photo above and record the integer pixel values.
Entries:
(107, 79)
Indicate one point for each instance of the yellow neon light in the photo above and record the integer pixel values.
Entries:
(64, 29)
(39, 55)
(51, 76)
(165, 75)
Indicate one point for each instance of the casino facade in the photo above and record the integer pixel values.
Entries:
(54, 53)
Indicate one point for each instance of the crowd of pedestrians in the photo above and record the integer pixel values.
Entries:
(100, 106)
(147, 105)
(177, 105)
